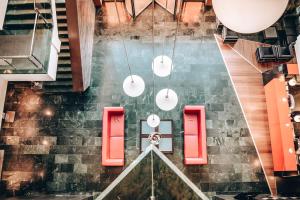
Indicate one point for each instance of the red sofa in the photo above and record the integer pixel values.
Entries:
(113, 136)
(195, 150)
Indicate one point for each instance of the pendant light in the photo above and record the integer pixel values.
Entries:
(133, 85)
(167, 99)
(249, 16)
(162, 64)
(153, 120)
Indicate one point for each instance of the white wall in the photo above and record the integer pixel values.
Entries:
(3, 88)
(3, 7)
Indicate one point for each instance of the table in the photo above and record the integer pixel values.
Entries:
(165, 128)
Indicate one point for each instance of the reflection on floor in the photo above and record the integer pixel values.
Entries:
(60, 134)
(247, 81)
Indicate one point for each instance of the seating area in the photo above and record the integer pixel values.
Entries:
(228, 35)
(195, 150)
(113, 136)
(142, 99)
(274, 53)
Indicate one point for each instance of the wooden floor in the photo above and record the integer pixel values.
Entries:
(247, 49)
(247, 81)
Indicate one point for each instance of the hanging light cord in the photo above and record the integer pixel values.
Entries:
(153, 52)
(124, 46)
(174, 48)
(152, 175)
(164, 42)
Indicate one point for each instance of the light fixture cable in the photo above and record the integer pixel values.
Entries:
(153, 53)
(164, 39)
(174, 48)
(124, 46)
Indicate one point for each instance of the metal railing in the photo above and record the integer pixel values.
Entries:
(25, 48)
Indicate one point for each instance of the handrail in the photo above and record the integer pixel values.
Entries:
(32, 58)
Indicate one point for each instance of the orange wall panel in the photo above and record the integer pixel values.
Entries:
(281, 128)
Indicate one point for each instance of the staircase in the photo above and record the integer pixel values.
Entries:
(20, 14)
(63, 81)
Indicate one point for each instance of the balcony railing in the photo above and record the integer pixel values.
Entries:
(25, 40)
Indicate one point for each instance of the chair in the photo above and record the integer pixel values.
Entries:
(266, 54)
(270, 35)
(283, 53)
(229, 36)
(195, 149)
(219, 25)
(113, 136)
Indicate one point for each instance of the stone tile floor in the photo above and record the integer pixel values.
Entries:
(70, 138)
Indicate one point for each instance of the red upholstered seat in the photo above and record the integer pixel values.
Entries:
(113, 136)
(195, 150)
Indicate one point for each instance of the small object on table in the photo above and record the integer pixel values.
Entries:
(164, 130)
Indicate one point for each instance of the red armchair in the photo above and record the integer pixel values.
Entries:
(113, 136)
(195, 149)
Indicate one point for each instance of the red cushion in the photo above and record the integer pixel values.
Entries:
(191, 123)
(115, 151)
(117, 125)
(192, 149)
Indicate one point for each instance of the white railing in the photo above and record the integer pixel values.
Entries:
(3, 7)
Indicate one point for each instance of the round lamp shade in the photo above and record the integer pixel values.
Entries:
(166, 100)
(162, 66)
(292, 82)
(133, 86)
(153, 120)
(249, 16)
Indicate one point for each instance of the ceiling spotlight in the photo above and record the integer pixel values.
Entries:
(153, 120)
(133, 85)
(162, 66)
(166, 99)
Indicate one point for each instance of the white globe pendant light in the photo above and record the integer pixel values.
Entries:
(162, 66)
(133, 85)
(166, 99)
(249, 16)
(153, 120)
